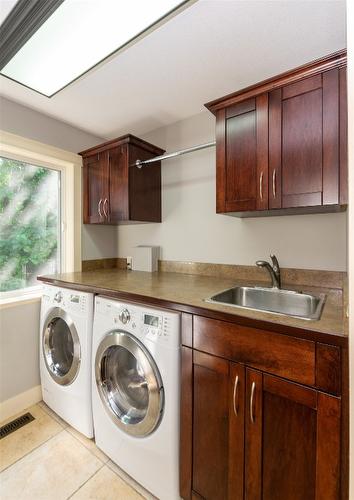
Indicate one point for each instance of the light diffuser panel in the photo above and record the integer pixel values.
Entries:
(77, 36)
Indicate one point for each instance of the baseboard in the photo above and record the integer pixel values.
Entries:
(18, 403)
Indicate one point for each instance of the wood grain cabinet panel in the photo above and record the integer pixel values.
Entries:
(281, 144)
(115, 191)
(95, 186)
(267, 351)
(286, 443)
(304, 150)
(249, 435)
(218, 428)
(210, 426)
(256, 436)
(243, 163)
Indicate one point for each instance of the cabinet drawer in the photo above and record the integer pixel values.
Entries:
(288, 357)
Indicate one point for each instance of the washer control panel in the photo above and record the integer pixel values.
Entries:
(151, 325)
(156, 325)
(70, 300)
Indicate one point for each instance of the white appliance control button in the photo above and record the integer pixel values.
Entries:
(58, 297)
(124, 316)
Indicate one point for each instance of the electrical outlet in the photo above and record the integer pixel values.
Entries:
(129, 263)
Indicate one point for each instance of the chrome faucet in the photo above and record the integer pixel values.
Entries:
(274, 270)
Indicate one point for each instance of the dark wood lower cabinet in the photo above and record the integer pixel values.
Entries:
(218, 420)
(292, 441)
(210, 425)
(255, 436)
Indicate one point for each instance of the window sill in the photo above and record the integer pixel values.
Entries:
(26, 299)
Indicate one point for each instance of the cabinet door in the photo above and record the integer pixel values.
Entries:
(242, 156)
(95, 189)
(218, 428)
(210, 426)
(118, 205)
(292, 443)
(304, 142)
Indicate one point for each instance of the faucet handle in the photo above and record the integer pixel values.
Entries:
(275, 262)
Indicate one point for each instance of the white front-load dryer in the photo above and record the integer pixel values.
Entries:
(65, 355)
(136, 392)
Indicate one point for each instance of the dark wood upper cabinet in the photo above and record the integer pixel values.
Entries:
(304, 142)
(116, 191)
(281, 144)
(242, 143)
(95, 184)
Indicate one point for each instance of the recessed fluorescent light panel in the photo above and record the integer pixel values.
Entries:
(79, 35)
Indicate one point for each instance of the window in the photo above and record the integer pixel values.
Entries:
(29, 223)
(40, 215)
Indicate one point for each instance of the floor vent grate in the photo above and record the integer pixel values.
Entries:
(19, 422)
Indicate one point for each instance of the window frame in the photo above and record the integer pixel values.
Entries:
(69, 165)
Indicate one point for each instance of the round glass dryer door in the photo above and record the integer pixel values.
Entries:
(129, 383)
(61, 347)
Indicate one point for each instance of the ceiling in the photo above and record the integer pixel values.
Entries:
(5, 7)
(212, 48)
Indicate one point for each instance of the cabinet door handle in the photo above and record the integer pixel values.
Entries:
(236, 396)
(261, 186)
(274, 185)
(99, 208)
(253, 388)
(105, 206)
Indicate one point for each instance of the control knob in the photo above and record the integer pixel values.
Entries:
(58, 297)
(124, 316)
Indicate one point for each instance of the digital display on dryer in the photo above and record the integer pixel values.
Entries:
(151, 320)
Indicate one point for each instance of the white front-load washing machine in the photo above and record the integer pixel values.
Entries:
(65, 355)
(136, 391)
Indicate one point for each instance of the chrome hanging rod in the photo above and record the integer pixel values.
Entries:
(140, 163)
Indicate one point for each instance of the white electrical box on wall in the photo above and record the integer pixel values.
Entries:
(145, 258)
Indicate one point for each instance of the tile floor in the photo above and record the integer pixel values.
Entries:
(49, 460)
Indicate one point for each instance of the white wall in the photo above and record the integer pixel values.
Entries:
(31, 124)
(99, 242)
(19, 349)
(192, 231)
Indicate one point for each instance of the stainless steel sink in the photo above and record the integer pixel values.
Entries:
(273, 300)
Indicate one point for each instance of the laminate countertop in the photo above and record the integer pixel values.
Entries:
(187, 293)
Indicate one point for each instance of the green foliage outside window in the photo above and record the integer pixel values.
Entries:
(29, 202)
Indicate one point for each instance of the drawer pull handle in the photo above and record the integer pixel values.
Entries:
(261, 186)
(236, 396)
(253, 388)
(105, 206)
(274, 184)
(99, 208)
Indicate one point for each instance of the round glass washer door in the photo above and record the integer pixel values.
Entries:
(61, 347)
(129, 383)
